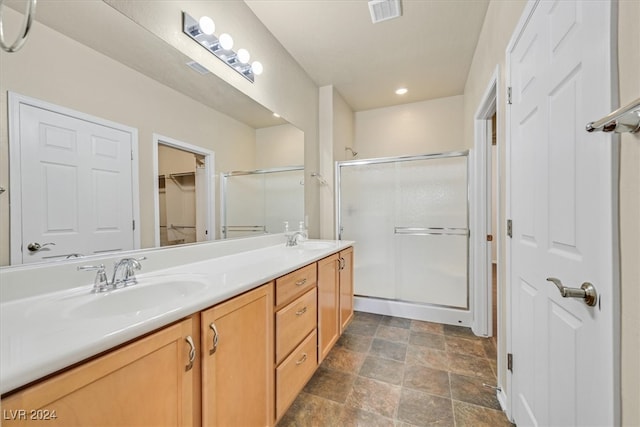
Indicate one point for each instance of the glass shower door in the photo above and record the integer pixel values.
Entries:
(408, 217)
(431, 233)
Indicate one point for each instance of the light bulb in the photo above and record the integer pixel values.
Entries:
(257, 68)
(401, 91)
(207, 26)
(226, 41)
(243, 56)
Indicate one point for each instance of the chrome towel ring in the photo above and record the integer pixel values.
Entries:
(24, 31)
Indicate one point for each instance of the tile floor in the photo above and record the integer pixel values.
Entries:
(389, 371)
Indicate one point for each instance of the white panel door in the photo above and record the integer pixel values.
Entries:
(562, 207)
(76, 185)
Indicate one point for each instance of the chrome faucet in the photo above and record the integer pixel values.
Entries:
(123, 274)
(292, 238)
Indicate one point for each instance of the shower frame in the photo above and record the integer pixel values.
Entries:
(456, 315)
(224, 191)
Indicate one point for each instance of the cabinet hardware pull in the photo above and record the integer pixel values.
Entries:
(302, 359)
(192, 353)
(215, 338)
(342, 263)
(301, 282)
(301, 312)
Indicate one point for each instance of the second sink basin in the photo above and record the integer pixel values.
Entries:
(148, 293)
(315, 245)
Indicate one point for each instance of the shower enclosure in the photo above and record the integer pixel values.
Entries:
(259, 201)
(409, 218)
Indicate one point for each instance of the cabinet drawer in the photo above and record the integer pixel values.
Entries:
(295, 371)
(294, 322)
(295, 283)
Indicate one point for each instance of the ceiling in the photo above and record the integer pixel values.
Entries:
(428, 49)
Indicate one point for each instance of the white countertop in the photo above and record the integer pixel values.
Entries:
(44, 333)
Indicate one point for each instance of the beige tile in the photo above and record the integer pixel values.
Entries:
(309, 410)
(470, 390)
(469, 365)
(388, 349)
(490, 348)
(389, 371)
(391, 333)
(465, 346)
(374, 396)
(426, 339)
(352, 417)
(468, 415)
(427, 380)
(330, 384)
(423, 409)
(361, 327)
(417, 355)
(432, 328)
(357, 343)
(460, 331)
(397, 322)
(341, 359)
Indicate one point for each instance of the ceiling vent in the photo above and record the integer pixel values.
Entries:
(198, 67)
(383, 10)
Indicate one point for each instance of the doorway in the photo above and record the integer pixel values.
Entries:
(183, 192)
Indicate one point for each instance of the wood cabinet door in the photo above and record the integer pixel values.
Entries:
(145, 383)
(346, 288)
(328, 300)
(237, 361)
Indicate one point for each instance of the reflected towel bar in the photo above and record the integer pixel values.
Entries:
(624, 119)
(432, 231)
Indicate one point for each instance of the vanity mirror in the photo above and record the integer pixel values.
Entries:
(87, 57)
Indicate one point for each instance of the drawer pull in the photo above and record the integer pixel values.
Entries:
(301, 282)
(192, 353)
(215, 338)
(301, 312)
(302, 359)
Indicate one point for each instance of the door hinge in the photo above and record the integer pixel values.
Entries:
(133, 224)
(131, 154)
(509, 228)
(509, 95)
(489, 238)
(510, 362)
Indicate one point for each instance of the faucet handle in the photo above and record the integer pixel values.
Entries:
(101, 282)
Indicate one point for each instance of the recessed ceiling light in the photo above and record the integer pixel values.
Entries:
(401, 91)
(276, 115)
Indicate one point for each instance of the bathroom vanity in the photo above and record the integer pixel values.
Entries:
(232, 344)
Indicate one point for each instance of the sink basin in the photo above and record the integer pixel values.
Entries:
(315, 245)
(148, 293)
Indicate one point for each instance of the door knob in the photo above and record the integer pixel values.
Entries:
(35, 246)
(587, 291)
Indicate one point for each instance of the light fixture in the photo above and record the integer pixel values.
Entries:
(207, 26)
(257, 68)
(243, 56)
(226, 41)
(202, 31)
(401, 91)
(276, 115)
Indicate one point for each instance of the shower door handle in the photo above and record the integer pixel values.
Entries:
(587, 291)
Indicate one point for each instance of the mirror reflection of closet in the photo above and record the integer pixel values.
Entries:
(181, 188)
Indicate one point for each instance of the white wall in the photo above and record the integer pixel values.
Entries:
(336, 123)
(77, 77)
(279, 146)
(425, 127)
(629, 66)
